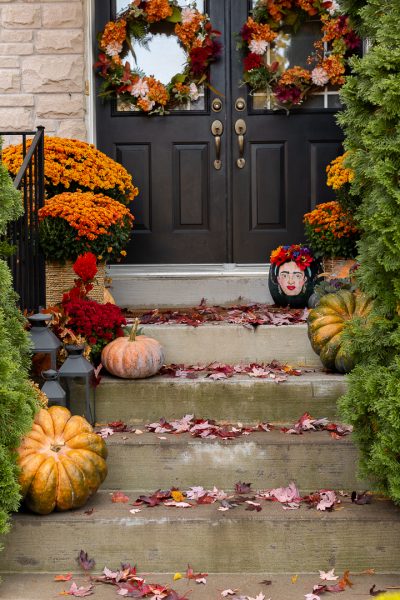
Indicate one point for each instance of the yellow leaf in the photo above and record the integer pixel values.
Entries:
(177, 576)
(294, 578)
(178, 496)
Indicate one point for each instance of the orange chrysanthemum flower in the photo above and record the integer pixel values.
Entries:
(157, 10)
(157, 91)
(337, 174)
(334, 66)
(74, 165)
(294, 76)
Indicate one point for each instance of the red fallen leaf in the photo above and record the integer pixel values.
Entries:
(345, 581)
(190, 574)
(154, 499)
(374, 592)
(89, 512)
(361, 498)
(242, 488)
(119, 497)
(66, 577)
(205, 500)
(253, 506)
(85, 562)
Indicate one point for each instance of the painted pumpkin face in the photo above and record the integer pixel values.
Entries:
(291, 279)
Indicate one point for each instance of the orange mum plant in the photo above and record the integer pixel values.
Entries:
(72, 165)
(73, 223)
(331, 231)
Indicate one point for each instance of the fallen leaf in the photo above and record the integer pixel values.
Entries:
(229, 592)
(345, 581)
(266, 582)
(178, 504)
(134, 511)
(311, 597)
(79, 592)
(178, 496)
(119, 497)
(368, 572)
(294, 578)
(361, 498)
(85, 562)
(190, 574)
(260, 596)
(242, 488)
(177, 576)
(328, 575)
(327, 500)
(138, 431)
(374, 592)
(66, 577)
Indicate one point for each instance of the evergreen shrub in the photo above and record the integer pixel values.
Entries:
(371, 122)
(18, 399)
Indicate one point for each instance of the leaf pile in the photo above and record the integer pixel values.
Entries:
(321, 588)
(308, 423)
(250, 315)
(217, 371)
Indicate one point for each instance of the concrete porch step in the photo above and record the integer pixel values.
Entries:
(158, 286)
(146, 462)
(42, 587)
(239, 398)
(164, 539)
(230, 343)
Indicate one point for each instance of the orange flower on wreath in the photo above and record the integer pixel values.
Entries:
(157, 10)
(335, 69)
(187, 32)
(157, 91)
(294, 76)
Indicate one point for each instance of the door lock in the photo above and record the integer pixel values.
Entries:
(240, 129)
(216, 105)
(240, 104)
(217, 130)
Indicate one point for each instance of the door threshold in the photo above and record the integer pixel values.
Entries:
(189, 270)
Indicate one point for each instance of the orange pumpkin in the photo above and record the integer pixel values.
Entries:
(62, 461)
(133, 357)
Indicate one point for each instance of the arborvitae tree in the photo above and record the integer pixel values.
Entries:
(371, 122)
(18, 400)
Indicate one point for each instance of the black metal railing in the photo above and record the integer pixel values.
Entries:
(27, 263)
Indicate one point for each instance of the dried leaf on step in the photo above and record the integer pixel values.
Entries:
(178, 496)
(312, 596)
(66, 577)
(119, 497)
(345, 581)
(266, 582)
(88, 512)
(242, 488)
(177, 576)
(294, 578)
(229, 592)
(85, 562)
(134, 511)
(374, 592)
(178, 504)
(328, 575)
(190, 574)
(78, 592)
(361, 497)
(259, 596)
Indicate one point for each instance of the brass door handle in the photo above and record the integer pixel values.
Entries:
(217, 130)
(240, 129)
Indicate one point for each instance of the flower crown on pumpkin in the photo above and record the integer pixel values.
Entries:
(301, 255)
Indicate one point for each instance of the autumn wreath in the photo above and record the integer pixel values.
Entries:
(327, 64)
(143, 92)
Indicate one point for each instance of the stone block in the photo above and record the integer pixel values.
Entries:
(59, 105)
(18, 16)
(59, 41)
(23, 35)
(10, 62)
(62, 15)
(72, 128)
(16, 100)
(10, 81)
(16, 49)
(16, 118)
(55, 74)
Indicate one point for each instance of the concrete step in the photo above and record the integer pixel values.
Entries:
(231, 344)
(163, 539)
(146, 462)
(239, 398)
(158, 286)
(42, 587)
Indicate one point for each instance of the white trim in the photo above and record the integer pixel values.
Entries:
(89, 74)
(195, 271)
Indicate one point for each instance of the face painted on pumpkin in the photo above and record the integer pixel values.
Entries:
(291, 278)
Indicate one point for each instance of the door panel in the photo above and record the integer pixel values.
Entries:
(188, 211)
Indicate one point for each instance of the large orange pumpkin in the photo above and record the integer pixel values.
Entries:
(62, 461)
(133, 357)
(326, 323)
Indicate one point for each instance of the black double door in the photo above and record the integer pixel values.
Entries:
(271, 170)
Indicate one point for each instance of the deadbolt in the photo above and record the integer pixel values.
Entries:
(240, 104)
(216, 105)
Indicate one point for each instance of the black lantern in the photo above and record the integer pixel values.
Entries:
(53, 389)
(43, 339)
(77, 366)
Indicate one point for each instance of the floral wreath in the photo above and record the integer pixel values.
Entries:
(301, 255)
(132, 85)
(290, 87)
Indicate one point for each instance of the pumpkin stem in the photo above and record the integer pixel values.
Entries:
(133, 332)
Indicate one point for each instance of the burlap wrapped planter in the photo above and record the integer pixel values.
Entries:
(60, 279)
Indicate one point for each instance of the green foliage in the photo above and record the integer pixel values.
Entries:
(372, 126)
(18, 401)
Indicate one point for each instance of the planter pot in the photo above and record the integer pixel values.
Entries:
(337, 268)
(60, 279)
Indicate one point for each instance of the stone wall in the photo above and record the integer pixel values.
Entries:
(42, 66)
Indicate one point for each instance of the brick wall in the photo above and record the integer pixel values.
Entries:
(42, 66)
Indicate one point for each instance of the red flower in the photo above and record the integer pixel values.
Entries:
(288, 94)
(252, 61)
(85, 266)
